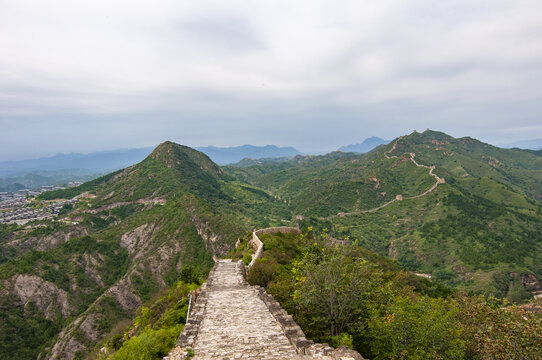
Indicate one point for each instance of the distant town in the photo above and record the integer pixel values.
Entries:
(16, 207)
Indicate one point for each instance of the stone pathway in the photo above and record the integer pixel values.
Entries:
(232, 320)
(237, 324)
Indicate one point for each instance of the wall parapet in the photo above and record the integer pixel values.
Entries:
(188, 336)
(257, 244)
(291, 329)
(280, 229)
(295, 334)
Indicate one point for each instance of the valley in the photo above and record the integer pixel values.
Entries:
(463, 211)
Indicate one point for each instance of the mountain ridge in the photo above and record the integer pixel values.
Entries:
(138, 228)
(493, 190)
(133, 235)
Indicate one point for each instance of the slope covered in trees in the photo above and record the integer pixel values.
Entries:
(73, 281)
(80, 279)
(346, 295)
(478, 231)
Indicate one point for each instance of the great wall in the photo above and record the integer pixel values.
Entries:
(230, 319)
(399, 197)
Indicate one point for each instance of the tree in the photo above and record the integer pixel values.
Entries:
(416, 327)
(334, 287)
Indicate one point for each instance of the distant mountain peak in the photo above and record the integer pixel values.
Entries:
(231, 155)
(365, 146)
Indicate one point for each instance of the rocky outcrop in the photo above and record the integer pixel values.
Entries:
(44, 295)
(136, 239)
(148, 257)
(48, 242)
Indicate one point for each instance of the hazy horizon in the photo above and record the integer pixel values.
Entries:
(503, 145)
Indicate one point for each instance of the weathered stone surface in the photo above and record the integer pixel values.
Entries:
(231, 320)
(237, 324)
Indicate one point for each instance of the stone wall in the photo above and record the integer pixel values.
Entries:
(230, 281)
(280, 229)
(188, 336)
(257, 244)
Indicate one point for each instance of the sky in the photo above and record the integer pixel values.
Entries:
(83, 76)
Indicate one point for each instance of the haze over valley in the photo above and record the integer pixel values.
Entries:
(271, 180)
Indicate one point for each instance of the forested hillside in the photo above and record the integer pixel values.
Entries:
(478, 230)
(463, 211)
(66, 284)
(346, 295)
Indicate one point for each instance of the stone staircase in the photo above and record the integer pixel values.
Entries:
(233, 320)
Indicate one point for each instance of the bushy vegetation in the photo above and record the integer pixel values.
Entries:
(24, 333)
(346, 295)
(155, 329)
(479, 232)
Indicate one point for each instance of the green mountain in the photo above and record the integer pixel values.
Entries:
(64, 285)
(476, 229)
(464, 211)
(468, 158)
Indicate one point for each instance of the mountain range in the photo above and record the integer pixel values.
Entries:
(535, 144)
(63, 168)
(96, 162)
(466, 212)
(471, 231)
(230, 155)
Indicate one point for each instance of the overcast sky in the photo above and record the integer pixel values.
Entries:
(82, 76)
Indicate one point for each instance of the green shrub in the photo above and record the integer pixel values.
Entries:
(149, 345)
(342, 339)
(190, 274)
(262, 271)
(247, 258)
(417, 328)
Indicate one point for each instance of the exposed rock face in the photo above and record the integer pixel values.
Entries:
(530, 281)
(46, 296)
(147, 256)
(136, 239)
(50, 241)
(67, 347)
(90, 269)
(123, 292)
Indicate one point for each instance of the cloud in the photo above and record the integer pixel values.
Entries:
(376, 68)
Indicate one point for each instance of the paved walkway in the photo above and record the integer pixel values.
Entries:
(237, 324)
